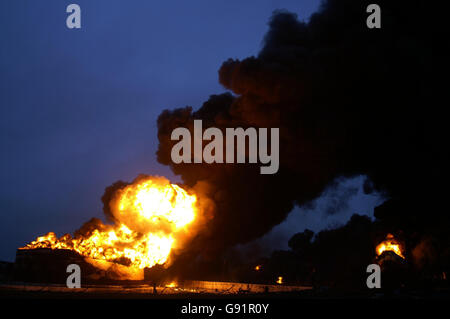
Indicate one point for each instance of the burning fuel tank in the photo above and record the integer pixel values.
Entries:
(45, 265)
(394, 266)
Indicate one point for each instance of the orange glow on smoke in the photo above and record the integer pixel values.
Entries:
(152, 217)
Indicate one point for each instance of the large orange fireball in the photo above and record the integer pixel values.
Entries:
(152, 217)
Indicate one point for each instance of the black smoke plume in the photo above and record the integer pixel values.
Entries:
(348, 100)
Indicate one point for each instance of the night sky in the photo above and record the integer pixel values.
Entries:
(79, 107)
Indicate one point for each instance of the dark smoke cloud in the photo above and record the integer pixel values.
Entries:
(109, 194)
(347, 99)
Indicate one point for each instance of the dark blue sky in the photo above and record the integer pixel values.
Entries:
(79, 107)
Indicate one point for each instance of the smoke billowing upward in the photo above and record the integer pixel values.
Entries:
(347, 99)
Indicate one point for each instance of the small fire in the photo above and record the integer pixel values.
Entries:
(151, 216)
(390, 244)
(258, 267)
(172, 284)
(280, 280)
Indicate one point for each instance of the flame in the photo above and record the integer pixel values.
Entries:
(152, 217)
(258, 267)
(390, 244)
(280, 280)
(172, 284)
